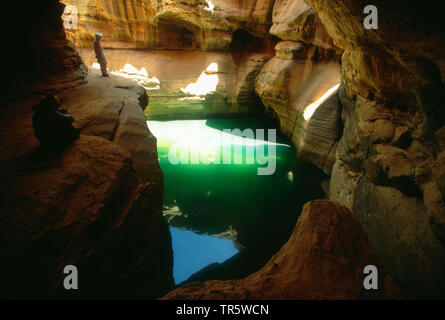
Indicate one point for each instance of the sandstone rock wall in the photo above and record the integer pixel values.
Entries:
(296, 21)
(86, 205)
(389, 160)
(95, 204)
(166, 24)
(323, 259)
(305, 67)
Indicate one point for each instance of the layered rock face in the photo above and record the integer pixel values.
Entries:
(389, 164)
(323, 259)
(185, 24)
(304, 70)
(95, 204)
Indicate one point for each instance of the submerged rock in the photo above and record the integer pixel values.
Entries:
(324, 259)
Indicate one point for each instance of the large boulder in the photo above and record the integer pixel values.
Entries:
(324, 259)
(95, 204)
(81, 206)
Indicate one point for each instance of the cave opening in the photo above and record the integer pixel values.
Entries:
(244, 41)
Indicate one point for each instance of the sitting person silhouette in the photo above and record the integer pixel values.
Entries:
(100, 55)
(53, 125)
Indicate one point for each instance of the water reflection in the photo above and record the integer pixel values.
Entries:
(232, 200)
(192, 252)
(211, 198)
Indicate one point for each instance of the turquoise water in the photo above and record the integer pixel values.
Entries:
(221, 204)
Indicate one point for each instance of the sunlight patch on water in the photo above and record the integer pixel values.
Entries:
(194, 137)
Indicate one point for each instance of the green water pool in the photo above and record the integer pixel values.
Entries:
(210, 191)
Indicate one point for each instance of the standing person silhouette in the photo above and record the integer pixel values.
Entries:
(100, 56)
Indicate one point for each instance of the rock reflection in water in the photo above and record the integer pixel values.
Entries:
(192, 252)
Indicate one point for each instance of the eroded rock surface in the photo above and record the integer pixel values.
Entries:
(304, 69)
(389, 158)
(323, 259)
(112, 108)
(95, 204)
(296, 21)
(166, 24)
